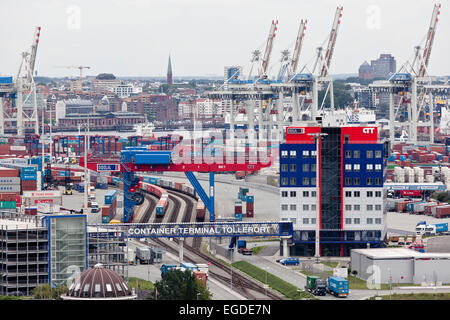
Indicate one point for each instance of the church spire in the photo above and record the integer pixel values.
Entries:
(169, 73)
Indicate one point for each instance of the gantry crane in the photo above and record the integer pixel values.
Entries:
(22, 89)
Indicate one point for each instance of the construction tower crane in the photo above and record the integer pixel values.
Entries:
(80, 81)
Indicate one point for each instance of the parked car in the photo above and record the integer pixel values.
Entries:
(245, 251)
(290, 261)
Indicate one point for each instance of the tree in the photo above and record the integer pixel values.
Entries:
(341, 97)
(45, 291)
(181, 285)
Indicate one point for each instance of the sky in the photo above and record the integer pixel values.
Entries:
(135, 37)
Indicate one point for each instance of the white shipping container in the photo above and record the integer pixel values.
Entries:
(10, 188)
(20, 161)
(9, 180)
(429, 178)
(42, 194)
(18, 148)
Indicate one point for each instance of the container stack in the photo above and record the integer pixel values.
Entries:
(409, 175)
(28, 176)
(399, 175)
(9, 188)
(32, 198)
(102, 182)
(250, 211)
(238, 210)
(31, 211)
(419, 174)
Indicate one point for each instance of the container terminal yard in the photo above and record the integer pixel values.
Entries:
(256, 185)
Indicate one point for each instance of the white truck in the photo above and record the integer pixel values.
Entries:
(143, 255)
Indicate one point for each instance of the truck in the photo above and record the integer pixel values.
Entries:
(337, 286)
(432, 229)
(94, 207)
(167, 267)
(143, 255)
(316, 285)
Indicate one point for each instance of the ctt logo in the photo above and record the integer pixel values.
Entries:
(368, 130)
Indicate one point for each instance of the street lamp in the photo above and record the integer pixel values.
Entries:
(266, 268)
(317, 136)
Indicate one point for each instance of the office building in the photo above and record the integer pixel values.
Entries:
(348, 200)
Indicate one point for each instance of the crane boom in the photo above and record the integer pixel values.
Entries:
(430, 38)
(269, 45)
(298, 46)
(34, 47)
(331, 41)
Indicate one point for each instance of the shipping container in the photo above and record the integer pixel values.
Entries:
(161, 207)
(8, 172)
(250, 212)
(201, 211)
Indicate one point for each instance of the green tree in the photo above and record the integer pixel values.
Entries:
(181, 285)
(341, 96)
(45, 291)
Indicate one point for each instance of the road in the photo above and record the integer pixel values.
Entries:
(438, 244)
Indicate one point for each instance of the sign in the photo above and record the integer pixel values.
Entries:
(177, 230)
(43, 201)
(107, 167)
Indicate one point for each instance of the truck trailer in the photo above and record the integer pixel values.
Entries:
(337, 286)
(143, 255)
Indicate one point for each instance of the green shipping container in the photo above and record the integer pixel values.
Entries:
(7, 204)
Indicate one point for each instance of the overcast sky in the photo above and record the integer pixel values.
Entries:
(135, 37)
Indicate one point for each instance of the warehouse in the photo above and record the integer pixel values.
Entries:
(401, 265)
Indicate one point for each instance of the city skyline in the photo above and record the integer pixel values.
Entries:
(135, 38)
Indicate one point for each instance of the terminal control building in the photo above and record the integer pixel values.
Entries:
(350, 209)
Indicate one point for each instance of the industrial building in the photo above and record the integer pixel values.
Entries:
(399, 265)
(348, 201)
(37, 250)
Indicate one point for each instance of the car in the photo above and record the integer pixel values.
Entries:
(290, 261)
(245, 251)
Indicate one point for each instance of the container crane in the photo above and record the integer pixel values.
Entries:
(298, 46)
(269, 46)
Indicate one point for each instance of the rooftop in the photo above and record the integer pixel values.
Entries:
(399, 253)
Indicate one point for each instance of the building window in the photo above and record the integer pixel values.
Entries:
(305, 194)
(313, 167)
(313, 207)
(313, 220)
(284, 207)
(313, 181)
(378, 194)
(378, 207)
(293, 167)
(348, 194)
(284, 167)
(356, 194)
(377, 153)
(284, 194)
(369, 221)
(313, 153)
(369, 181)
(313, 194)
(369, 194)
(306, 181)
(369, 154)
(369, 207)
(348, 181)
(305, 154)
(305, 167)
(369, 167)
(356, 181)
(348, 154)
(377, 220)
(356, 166)
(348, 167)
(294, 220)
(284, 181)
(306, 207)
(357, 207)
(378, 181)
(348, 220)
(378, 167)
(293, 181)
(356, 221)
(348, 207)
(356, 154)
(293, 194)
(293, 207)
(305, 220)
(284, 153)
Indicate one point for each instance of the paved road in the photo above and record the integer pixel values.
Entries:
(438, 244)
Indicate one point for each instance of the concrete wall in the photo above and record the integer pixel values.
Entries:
(425, 271)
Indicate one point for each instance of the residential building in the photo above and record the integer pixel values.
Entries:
(348, 200)
(383, 66)
(365, 71)
(105, 82)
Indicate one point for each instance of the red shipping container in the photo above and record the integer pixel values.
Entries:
(237, 209)
(200, 275)
(443, 212)
(7, 172)
(9, 196)
(250, 210)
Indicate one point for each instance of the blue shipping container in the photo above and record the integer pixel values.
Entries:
(238, 216)
(242, 244)
(6, 80)
(338, 286)
(28, 177)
